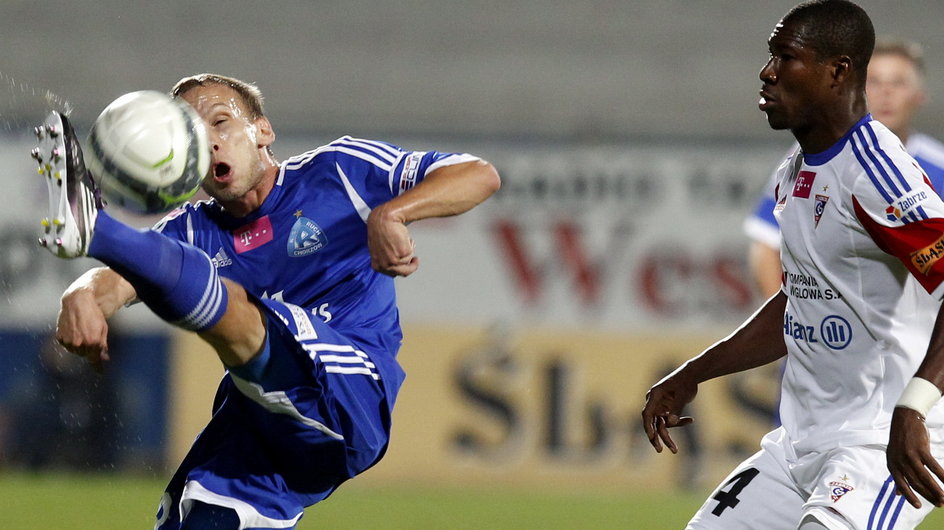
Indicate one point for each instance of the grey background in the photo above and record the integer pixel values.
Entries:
(590, 71)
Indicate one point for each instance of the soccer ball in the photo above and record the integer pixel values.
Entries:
(148, 152)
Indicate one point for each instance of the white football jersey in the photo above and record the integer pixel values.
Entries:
(863, 238)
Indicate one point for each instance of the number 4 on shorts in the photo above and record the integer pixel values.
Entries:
(728, 499)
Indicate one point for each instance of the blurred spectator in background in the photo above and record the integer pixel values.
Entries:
(896, 90)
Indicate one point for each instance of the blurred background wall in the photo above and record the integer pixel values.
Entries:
(631, 149)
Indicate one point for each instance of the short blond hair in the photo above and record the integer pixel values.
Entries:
(248, 92)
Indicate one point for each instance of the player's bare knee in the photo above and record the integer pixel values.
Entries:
(240, 334)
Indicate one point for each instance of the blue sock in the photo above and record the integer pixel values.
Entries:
(176, 280)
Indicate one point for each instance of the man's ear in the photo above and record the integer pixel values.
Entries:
(842, 68)
(265, 136)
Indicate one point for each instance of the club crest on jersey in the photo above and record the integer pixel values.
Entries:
(892, 214)
(819, 207)
(804, 184)
(838, 488)
(305, 238)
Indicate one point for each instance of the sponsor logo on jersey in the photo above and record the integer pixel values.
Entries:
(892, 213)
(253, 235)
(807, 288)
(925, 258)
(411, 167)
(305, 238)
(834, 331)
(221, 259)
(912, 200)
(804, 184)
(838, 488)
(819, 207)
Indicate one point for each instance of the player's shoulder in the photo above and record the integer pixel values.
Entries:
(875, 148)
(347, 149)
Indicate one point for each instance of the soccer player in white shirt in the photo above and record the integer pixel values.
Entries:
(862, 230)
(896, 90)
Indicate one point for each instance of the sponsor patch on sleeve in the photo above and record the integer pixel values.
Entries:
(411, 168)
(925, 258)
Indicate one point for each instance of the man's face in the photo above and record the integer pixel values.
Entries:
(237, 166)
(795, 81)
(895, 91)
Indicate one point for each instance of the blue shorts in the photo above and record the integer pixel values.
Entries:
(318, 414)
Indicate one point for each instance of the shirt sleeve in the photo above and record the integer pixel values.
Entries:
(379, 171)
(905, 217)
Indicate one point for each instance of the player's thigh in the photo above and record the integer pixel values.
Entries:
(757, 494)
(855, 490)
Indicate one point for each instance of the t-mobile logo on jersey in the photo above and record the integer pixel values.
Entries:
(252, 235)
(804, 184)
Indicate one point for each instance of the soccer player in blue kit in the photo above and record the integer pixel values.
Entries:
(288, 273)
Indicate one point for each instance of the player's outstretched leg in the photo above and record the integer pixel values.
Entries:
(177, 281)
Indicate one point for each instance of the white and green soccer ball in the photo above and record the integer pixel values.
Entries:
(148, 152)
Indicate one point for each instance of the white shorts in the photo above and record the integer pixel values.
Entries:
(844, 488)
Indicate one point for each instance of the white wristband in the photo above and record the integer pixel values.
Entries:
(919, 395)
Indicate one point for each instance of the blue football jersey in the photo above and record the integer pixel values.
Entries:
(307, 243)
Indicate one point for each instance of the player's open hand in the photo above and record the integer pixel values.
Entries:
(910, 460)
(392, 250)
(664, 404)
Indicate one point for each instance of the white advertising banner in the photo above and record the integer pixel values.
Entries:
(620, 237)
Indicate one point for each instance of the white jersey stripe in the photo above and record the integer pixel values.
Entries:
(378, 149)
(362, 209)
(329, 347)
(392, 151)
(362, 155)
(348, 370)
(345, 360)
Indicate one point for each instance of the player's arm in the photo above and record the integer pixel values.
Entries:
(908, 454)
(85, 306)
(446, 191)
(757, 342)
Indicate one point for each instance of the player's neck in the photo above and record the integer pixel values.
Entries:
(822, 136)
(255, 197)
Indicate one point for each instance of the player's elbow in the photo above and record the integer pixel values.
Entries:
(489, 180)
